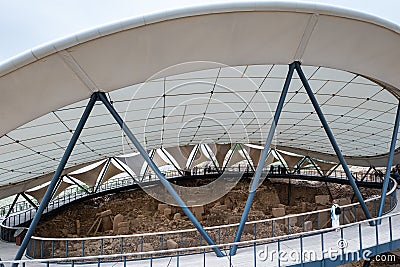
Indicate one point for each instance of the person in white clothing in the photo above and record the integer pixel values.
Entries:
(335, 215)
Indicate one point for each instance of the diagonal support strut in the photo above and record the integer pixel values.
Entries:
(389, 164)
(332, 139)
(56, 177)
(99, 96)
(263, 158)
(157, 171)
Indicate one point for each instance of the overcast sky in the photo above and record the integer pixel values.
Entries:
(28, 23)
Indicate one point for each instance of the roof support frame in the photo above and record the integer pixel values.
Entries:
(56, 177)
(170, 160)
(99, 96)
(196, 148)
(80, 186)
(263, 158)
(230, 156)
(129, 173)
(368, 171)
(56, 188)
(153, 166)
(212, 158)
(29, 200)
(332, 139)
(296, 66)
(332, 170)
(284, 165)
(315, 166)
(152, 152)
(247, 158)
(12, 206)
(96, 187)
(298, 164)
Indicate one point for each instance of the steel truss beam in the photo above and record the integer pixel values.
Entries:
(298, 164)
(248, 160)
(363, 178)
(229, 158)
(211, 158)
(366, 174)
(284, 165)
(334, 169)
(128, 172)
(196, 148)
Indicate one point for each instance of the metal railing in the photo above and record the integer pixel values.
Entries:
(127, 180)
(252, 252)
(23, 205)
(25, 212)
(297, 223)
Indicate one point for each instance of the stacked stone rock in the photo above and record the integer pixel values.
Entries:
(120, 227)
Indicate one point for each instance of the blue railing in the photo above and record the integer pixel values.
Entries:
(298, 223)
(25, 212)
(353, 242)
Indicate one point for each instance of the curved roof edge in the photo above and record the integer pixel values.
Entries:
(58, 45)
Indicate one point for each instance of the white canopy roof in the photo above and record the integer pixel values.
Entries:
(175, 102)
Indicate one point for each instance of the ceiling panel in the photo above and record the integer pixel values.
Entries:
(239, 109)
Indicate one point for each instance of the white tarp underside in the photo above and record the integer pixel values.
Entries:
(360, 113)
(203, 102)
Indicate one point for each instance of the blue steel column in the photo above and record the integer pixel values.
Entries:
(332, 138)
(262, 160)
(389, 164)
(157, 171)
(54, 180)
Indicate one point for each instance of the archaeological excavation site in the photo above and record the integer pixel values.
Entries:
(128, 215)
